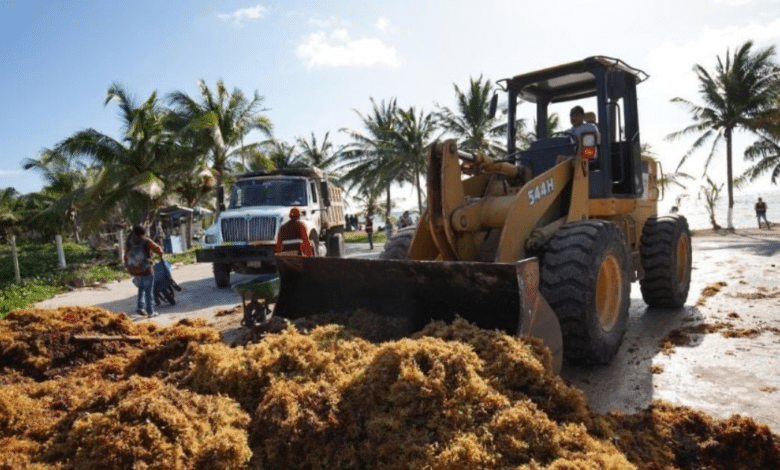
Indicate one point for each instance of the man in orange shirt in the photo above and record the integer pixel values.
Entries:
(292, 239)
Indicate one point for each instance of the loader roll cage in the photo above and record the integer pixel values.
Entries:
(617, 171)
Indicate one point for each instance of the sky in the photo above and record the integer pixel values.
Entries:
(317, 64)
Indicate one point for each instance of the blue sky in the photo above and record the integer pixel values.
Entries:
(317, 62)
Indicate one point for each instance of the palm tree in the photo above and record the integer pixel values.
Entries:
(220, 121)
(766, 150)
(319, 155)
(283, 155)
(411, 137)
(370, 162)
(131, 176)
(470, 123)
(8, 208)
(66, 181)
(738, 94)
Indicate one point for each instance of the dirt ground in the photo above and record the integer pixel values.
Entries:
(719, 354)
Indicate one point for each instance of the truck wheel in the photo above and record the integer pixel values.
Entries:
(222, 274)
(585, 279)
(336, 245)
(666, 261)
(397, 247)
(314, 239)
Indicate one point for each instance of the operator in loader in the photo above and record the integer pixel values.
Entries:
(578, 124)
(292, 239)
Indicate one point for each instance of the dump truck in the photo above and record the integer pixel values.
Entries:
(543, 241)
(243, 238)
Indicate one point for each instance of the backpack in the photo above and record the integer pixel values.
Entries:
(138, 257)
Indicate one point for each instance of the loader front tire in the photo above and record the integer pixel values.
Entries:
(585, 279)
(222, 275)
(666, 261)
(397, 247)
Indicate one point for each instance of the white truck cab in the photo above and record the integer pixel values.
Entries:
(243, 238)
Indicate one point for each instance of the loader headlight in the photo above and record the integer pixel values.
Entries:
(589, 142)
(210, 239)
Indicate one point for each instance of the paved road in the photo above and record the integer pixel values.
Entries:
(199, 296)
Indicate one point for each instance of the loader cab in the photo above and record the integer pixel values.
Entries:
(608, 87)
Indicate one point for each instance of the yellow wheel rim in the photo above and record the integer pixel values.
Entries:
(682, 260)
(609, 293)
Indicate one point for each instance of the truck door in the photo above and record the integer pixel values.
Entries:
(315, 204)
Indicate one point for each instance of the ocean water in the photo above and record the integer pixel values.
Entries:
(695, 210)
(744, 215)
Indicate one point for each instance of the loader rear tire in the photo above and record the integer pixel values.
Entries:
(222, 275)
(666, 261)
(397, 247)
(585, 279)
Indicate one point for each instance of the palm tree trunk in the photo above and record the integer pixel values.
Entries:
(387, 213)
(729, 180)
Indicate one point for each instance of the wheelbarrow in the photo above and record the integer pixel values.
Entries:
(256, 294)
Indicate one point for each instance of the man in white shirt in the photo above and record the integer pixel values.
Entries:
(578, 124)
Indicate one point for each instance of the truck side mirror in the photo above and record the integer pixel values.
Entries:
(221, 198)
(325, 193)
(493, 106)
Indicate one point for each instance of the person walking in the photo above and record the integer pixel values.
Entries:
(292, 238)
(138, 261)
(370, 230)
(405, 220)
(761, 213)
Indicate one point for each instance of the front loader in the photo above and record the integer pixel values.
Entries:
(543, 241)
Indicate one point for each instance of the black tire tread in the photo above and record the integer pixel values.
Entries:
(659, 261)
(568, 285)
(222, 275)
(397, 247)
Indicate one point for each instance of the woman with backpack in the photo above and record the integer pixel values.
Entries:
(138, 261)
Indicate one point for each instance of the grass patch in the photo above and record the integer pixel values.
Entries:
(361, 237)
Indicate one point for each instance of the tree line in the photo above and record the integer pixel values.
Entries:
(180, 148)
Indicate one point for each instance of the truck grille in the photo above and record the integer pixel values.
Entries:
(258, 229)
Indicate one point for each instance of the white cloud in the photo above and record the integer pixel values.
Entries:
(340, 49)
(241, 16)
(671, 65)
(382, 24)
(10, 172)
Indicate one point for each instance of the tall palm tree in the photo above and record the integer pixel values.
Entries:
(736, 96)
(66, 182)
(132, 175)
(320, 155)
(412, 135)
(369, 161)
(766, 150)
(220, 121)
(766, 153)
(283, 155)
(470, 122)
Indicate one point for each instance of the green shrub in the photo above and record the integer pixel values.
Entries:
(361, 237)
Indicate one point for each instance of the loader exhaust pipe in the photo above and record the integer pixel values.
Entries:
(413, 293)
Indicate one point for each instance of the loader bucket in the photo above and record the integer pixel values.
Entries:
(413, 293)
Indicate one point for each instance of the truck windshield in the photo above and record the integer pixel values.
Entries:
(269, 192)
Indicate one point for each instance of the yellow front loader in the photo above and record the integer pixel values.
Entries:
(542, 242)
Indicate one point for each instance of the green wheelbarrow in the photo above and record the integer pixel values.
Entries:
(256, 294)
